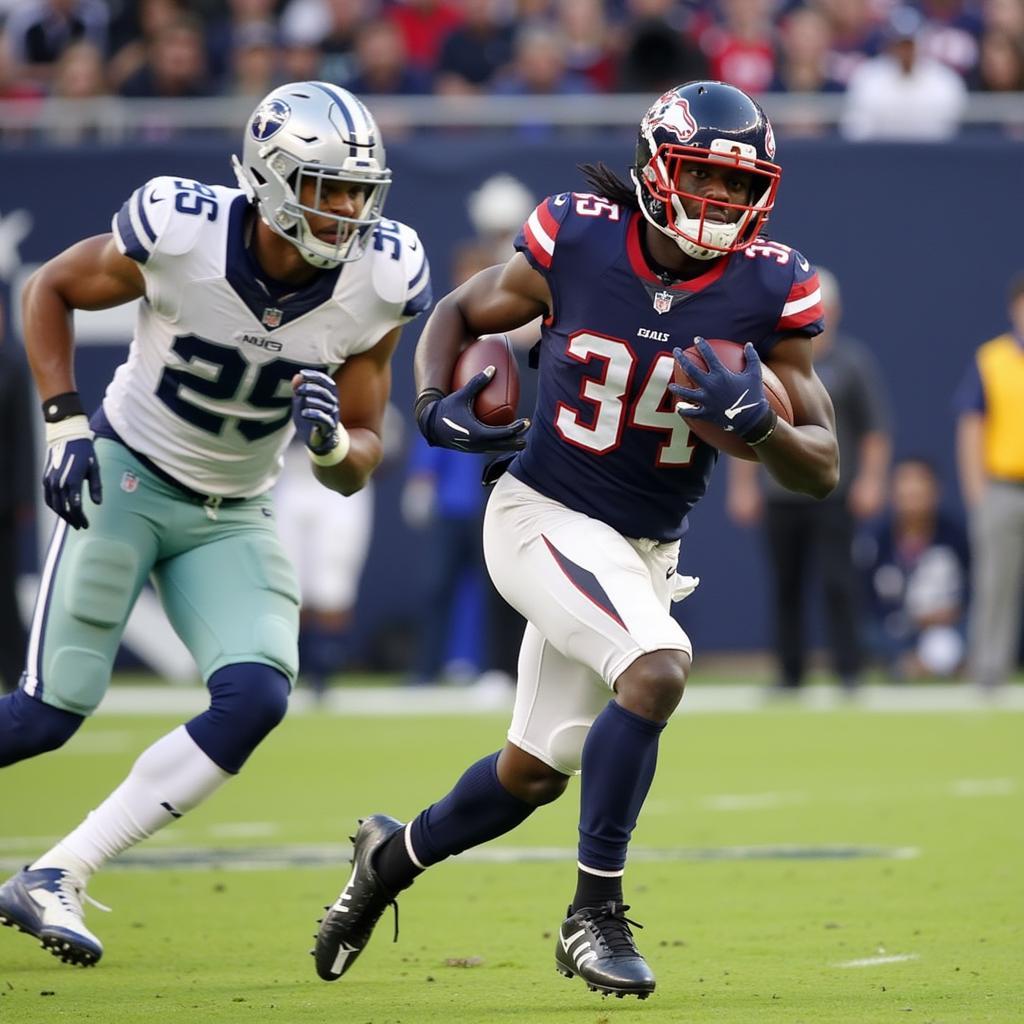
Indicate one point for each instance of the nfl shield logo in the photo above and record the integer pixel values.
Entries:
(129, 482)
(272, 317)
(662, 302)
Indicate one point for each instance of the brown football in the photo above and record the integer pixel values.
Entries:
(732, 357)
(496, 404)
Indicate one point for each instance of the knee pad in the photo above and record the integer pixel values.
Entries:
(29, 727)
(247, 701)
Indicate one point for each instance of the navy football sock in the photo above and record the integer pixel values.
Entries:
(29, 727)
(477, 809)
(619, 757)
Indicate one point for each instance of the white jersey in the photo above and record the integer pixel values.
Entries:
(205, 393)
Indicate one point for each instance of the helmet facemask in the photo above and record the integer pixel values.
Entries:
(703, 237)
(291, 219)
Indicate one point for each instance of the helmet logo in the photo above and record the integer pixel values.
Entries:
(672, 113)
(769, 139)
(269, 119)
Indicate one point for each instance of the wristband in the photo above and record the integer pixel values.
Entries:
(762, 429)
(337, 454)
(62, 407)
(426, 398)
(73, 428)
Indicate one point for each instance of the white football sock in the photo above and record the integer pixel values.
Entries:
(168, 779)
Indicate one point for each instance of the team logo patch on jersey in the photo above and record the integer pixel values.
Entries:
(271, 317)
(662, 302)
(129, 482)
(269, 119)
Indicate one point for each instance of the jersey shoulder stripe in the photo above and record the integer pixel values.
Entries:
(539, 234)
(132, 228)
(167, 215)
(803, 305)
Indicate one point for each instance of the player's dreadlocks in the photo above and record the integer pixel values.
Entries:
(605, 182)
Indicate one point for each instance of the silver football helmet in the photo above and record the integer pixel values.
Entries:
(313, 133)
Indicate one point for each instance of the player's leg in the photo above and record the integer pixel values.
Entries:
(997, 567)
(90, 580)
(490, 798)
(787, 549)
(842, 585)
(234, 602)
(603, 601)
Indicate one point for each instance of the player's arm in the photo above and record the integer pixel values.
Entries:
(495, 300)
(803, 457)
(90, 275)
(342, 425)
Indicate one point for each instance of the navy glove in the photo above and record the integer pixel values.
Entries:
(448, 421)
(315, 411)
(70, 462)
(733, 401)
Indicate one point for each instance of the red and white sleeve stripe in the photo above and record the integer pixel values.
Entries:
(803, 305)
(541, 230)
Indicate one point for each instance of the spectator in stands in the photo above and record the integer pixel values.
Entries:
(381, 64)
(799, 532)
(133, 31)
(17, 498)
(990, 456)
(246, 25)
(176, 66)
(473, 53)
(1007, 15)
(587, 46)
(802, 64)
(255, 68)
(80, 76)
(39, 31)
(424, 24)
(953, 30)
(741, 45)
(331, 27)
(538, 68)
(854, 29)
(902, 94)
(1000, 63)
(915, 564)
(656, 54)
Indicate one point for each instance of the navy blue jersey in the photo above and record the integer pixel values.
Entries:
(605, 438)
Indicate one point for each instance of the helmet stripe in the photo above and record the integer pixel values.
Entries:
(353, 139)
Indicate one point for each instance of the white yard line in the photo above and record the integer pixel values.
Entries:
(467, 700)
(878, 961)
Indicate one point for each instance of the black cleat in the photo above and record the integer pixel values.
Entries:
(596, 944)
(348, 924)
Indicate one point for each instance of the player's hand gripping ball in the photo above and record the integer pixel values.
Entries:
(723, 394)
(495, 403)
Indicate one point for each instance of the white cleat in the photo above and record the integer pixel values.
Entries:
(47, 903)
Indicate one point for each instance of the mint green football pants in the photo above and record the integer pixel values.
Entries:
(225, 583)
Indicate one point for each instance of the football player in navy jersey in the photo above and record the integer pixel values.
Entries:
(582, 532)
(267, 308)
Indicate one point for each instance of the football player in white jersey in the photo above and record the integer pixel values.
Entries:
(268, 308)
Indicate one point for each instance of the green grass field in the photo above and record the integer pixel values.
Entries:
(790, 867)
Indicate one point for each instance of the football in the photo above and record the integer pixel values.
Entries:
(731, 355)
(496, 404)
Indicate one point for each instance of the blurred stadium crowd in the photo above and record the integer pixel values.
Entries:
(202, 48)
